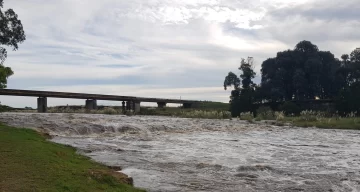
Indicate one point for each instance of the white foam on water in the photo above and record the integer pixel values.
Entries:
(176, 154)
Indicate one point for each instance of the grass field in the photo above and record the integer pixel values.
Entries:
(28, 162)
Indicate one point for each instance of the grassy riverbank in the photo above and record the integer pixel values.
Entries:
(327, 123)
(31, 163)
(306, 119)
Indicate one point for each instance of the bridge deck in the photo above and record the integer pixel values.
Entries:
(31, 93)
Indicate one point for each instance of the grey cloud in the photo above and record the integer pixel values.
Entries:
(325, 23)
(323, 10)
(105, 38)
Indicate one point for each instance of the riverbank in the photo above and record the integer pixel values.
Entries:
(31, 163)
(352, 123)
(305, 119)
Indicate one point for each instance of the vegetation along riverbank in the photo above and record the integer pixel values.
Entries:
(31, 163)
(304, 119)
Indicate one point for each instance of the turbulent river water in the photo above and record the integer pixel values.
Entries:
(175, 154)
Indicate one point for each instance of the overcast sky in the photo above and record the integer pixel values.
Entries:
(164, 48)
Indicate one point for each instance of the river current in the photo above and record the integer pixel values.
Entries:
(177, 154)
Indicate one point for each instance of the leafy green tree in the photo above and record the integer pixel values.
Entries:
(304, 73)
(248, 73)
(242, 98)
(232, 80)
(11, 34)
(299, 74)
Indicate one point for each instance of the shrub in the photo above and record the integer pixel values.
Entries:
(246, 116)
(148, 111)
(65, 110)
(311, 115)
(265, 113)
(352, 114)
(204, 114)
(279, 115)
(109, 111)
(186, 113)
(290, 108)
(4, 108)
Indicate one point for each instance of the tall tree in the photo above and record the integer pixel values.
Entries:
(302, 73)
(11, 34)
(241, 98)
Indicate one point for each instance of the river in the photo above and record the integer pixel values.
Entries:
(178, 154)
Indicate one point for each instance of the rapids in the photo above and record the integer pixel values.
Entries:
(177, 154)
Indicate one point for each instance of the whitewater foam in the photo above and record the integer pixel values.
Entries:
(176, 154)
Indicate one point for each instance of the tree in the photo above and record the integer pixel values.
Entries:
(11, 34)
(248, 73)
(5, 72)
(348, 100)
(349, 82)
(299, 74)
(304, 73)
(232, 80)
(242, 98)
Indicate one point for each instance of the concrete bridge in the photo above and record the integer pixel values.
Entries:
(128, 102)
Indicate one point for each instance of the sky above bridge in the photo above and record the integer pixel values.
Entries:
(164, 48)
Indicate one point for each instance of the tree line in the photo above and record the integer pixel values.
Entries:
(303, 73)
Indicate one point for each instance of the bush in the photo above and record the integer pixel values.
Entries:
(311, 115)
(109, 111)
(290, 109)
(148, 111)
(4, 108)
(186, 113)
(246, 116)
(265, 113)
(65, 110)
(205, 114)
(279, 116)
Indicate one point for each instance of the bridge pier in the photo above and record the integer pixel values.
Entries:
(136, 106)
(161, 104)
(123, 107)
(128, 106)
(91, 104)
(131, 105)
(42, 104)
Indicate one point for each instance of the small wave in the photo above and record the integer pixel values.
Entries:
(211, 166)
(247, 175)
(254, 168)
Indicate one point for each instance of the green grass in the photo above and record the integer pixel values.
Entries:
(4, 108)
(328, 123)
(28, 162)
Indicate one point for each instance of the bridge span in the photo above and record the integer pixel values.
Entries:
(128, 102)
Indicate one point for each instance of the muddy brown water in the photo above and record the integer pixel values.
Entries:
(175, 154)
